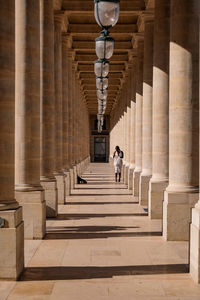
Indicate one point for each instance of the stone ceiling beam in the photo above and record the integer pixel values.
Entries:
(88, 5)
(77, 29)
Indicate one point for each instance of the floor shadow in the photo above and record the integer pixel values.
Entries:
(98, 203)
(89, 228)
(70, 216)
(95, 195)
(64, 235)
(117, 187)
(72, 273)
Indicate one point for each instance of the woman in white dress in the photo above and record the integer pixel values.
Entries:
(117, 156)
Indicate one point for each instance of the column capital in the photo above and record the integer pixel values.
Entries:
(146, 17)
(71, 54)
(77, 74)
(67, 40)
(131, 54)
(61, 19)
(74, 65)
(137, 39)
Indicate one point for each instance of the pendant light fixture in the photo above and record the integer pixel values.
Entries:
(102, 94)
(102, 83)
(106, 15)
(106, 12)
(104, 46)
(101, 68)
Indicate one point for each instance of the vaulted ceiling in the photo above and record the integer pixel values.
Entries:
(83, 29)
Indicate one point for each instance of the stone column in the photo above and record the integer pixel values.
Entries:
(29, 191)
(59, 174)
(138, 120)
(126, 128)
(47, 102)
(132, 124)
(147, 114)
(70, 57)
(76, 121)
(128, 122)
(70, 84)
(195, 225)
(72, 127)
(79, 125)
(160, 114)
(12, 233)
(182, 191)
(65, 97)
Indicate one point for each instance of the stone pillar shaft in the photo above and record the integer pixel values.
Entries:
(138, 120)
(65, 97)
(58, 108)
(27, 157)
(12, 234)
(58, 92)
(132, 123)
(29, 191)
(47, 102)
(160, 114)
(195, 225)
(70, 107)
(147, 114)
(181, 194)
(133, 104)
(65, 87)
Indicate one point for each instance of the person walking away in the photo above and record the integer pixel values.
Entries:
(118, 156)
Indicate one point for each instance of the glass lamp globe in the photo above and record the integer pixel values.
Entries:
(102, 83)
(101, 68)
(99, 127)
(99, 116)
(102, 102)
(106, 12)
(102, 94)
(100, 119)
(101, 109)
(104, 47)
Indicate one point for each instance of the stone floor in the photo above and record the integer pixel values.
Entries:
(103, 246)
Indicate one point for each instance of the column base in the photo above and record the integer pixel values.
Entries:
(67, 184)
(177, 215)
(12, 244)
(195, 245)
(136, 180)
(78, 168)
(130, 177)
(51, 198)
(126, 169)
(34, 213)
(144, 189)
(75, 174)
(122, 174)
(72, 182)
(125, 173)
(82, 167)
(60, 178)
(156, 198)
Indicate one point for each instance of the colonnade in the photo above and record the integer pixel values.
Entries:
(165, 122)
(44, 124)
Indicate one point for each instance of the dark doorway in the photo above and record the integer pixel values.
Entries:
(100, 149)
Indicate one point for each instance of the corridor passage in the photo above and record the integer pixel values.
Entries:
(103, 246)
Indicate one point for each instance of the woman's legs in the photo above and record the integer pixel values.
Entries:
(119, 176)
(115, 177)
